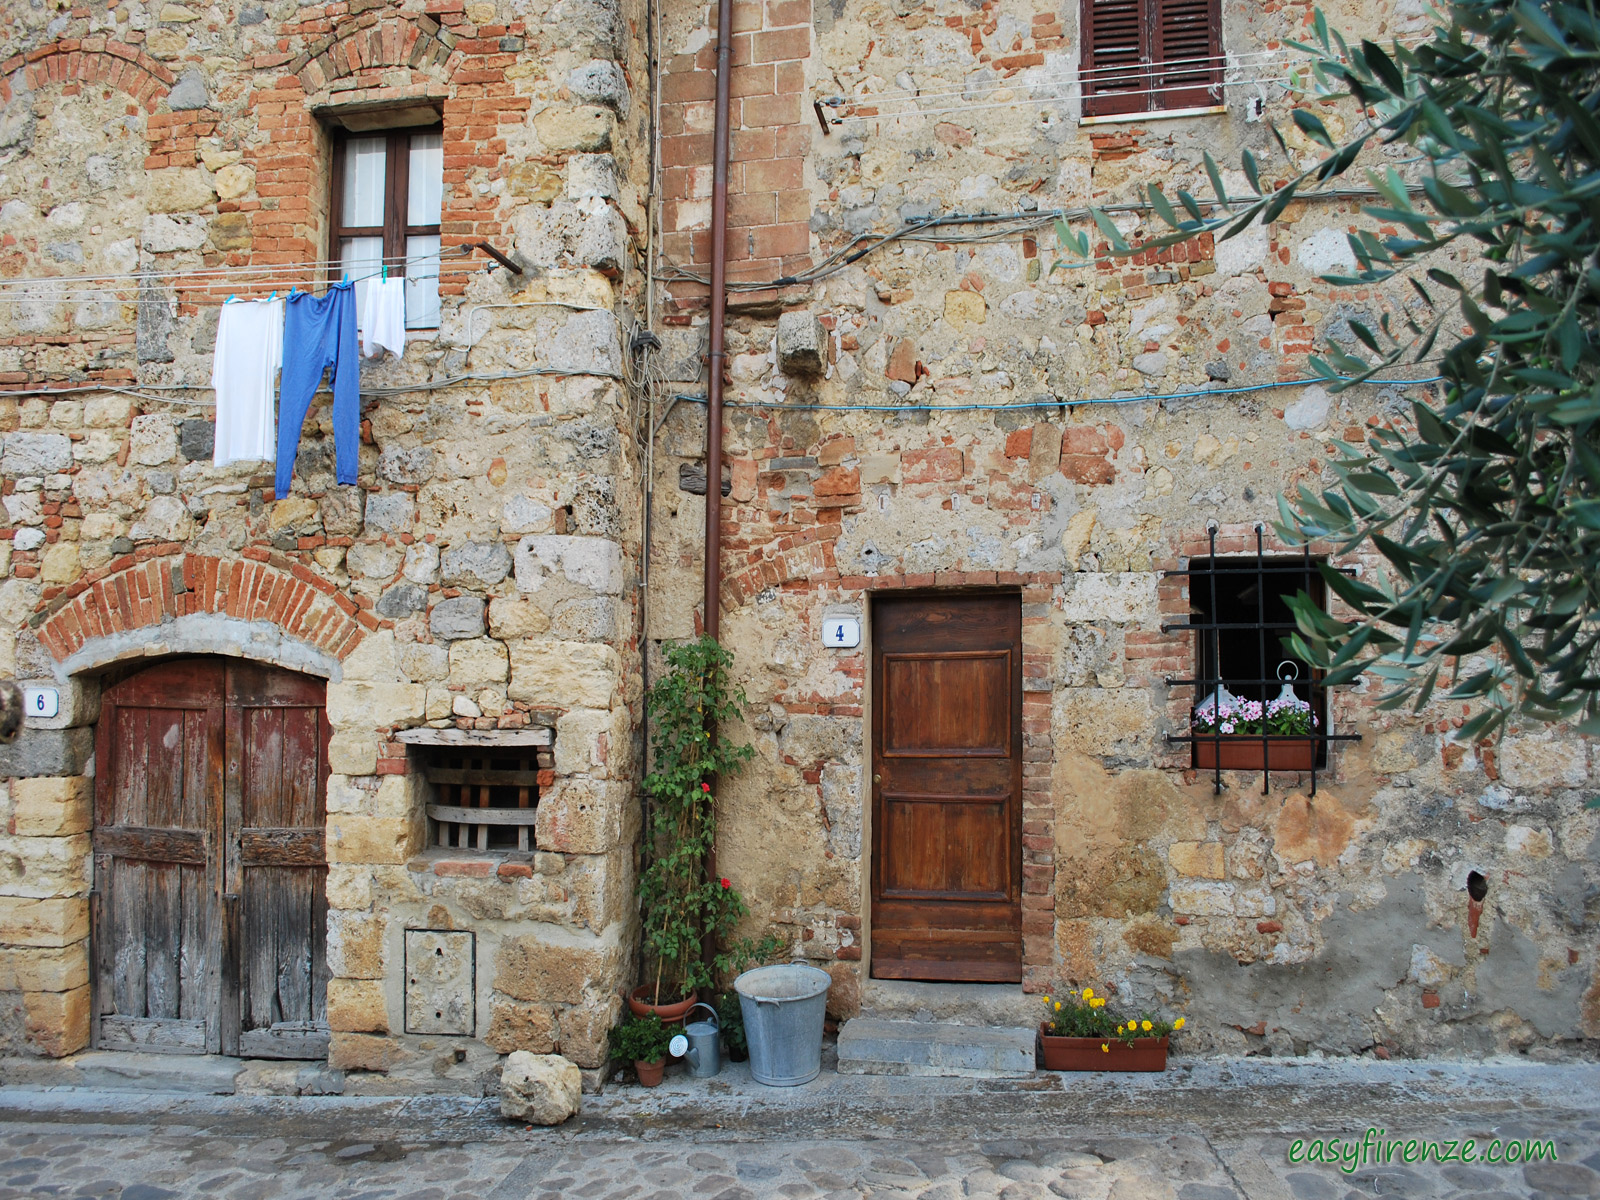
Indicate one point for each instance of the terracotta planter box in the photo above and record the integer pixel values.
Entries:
(1084, 1054)
(1244, 753)
(650, 1073)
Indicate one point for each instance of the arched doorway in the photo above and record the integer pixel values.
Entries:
(209, 909)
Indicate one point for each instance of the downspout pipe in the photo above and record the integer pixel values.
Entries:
(719, 312)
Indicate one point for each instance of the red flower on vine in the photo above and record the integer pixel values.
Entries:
(705, 787)
(726, 884)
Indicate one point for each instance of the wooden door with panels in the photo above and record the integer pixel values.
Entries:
(209, 911)
(947, 787)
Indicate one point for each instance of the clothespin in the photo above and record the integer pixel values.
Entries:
(231, 298)
(272, 297)
(385, 278)
(345, 280)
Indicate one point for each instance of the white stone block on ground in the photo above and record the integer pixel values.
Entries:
(542, 1089)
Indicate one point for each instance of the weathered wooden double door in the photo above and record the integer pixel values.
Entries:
(209, 910)
(947, 787)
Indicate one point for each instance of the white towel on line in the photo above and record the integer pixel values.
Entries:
(381, 316)
(244, 375)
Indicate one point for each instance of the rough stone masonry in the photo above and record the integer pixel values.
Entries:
(484, 575)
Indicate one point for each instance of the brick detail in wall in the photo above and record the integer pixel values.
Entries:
(368, 42)
(101, 60)
(133, 593)
(769, 208)
(384, 59)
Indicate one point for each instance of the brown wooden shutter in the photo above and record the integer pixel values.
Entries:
(1115, 42)
(1143, 55)
(1187, 53)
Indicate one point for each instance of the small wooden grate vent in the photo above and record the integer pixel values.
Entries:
(485, 798)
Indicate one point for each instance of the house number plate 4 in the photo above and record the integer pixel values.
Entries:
(842, 633)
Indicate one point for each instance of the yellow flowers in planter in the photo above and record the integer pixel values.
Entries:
(1085, 1014)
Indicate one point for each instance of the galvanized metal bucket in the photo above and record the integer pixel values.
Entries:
(783, 1009)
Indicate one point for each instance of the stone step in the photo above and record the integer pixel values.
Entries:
(951, 1003)
(127, 1071)
(874, 1046)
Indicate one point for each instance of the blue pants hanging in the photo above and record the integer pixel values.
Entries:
(319, 332)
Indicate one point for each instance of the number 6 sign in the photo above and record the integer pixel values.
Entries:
(41, 701)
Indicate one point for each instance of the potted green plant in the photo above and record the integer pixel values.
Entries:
(642, 1041)
(1080, 1033)
(682, 909)
(1228, 732)
(730, 1015)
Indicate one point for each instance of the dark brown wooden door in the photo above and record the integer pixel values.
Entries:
(947, 788)
(208, 909)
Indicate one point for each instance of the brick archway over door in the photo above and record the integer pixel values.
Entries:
(161, 605)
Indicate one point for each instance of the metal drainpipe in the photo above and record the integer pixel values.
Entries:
(719, 308)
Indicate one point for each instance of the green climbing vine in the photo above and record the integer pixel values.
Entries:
(680, 905)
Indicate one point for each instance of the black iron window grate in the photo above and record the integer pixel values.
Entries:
(485, 799)
(1240, 615)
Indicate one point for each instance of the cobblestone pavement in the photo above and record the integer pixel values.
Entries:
(1206, 1131)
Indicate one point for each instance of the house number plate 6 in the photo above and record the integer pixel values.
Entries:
(841, 633)
(41, 701)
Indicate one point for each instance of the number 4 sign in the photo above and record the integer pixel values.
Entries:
(841, 633)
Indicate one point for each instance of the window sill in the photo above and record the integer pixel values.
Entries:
(1158, 114)
(507, 866)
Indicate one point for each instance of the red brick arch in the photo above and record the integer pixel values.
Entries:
(89, 61)
(135, 593)
(373, 42)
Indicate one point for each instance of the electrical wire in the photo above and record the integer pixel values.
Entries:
(1252, 59)
(1240, 60)
(1060, 402)
(371, 393)
(1005, 226)
(1059, 99)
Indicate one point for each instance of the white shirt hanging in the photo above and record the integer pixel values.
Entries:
(244, 375)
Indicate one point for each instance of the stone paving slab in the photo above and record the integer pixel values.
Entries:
(874, 1046)
(1216, 1131)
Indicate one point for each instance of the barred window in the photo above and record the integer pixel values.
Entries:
(1256, 705)
(483, 787)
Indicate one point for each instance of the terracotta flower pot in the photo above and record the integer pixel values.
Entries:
(650, 1073)
(1243, 752)
(670, 1014)
(1085, 1054)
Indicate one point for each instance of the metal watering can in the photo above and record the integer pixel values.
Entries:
(698, 1044)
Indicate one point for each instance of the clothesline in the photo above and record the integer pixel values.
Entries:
(307, 265)
(280, 277)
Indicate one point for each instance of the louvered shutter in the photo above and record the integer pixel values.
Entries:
(1187, 53)
(1142, 55)
(1115, 38)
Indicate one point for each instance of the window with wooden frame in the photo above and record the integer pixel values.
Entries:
(1143, 56)
(388, 193)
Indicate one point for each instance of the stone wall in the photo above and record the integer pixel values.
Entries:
(480, 576)
(993, 414)
(484, 573)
